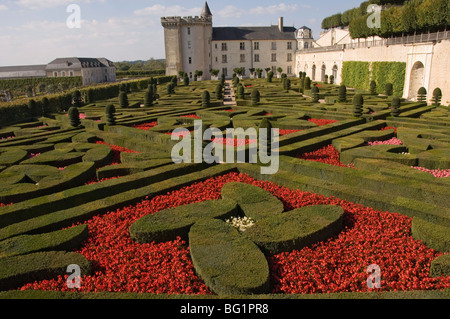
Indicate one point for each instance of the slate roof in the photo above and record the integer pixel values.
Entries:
(77, 63)
(22, 70)
(253, 33)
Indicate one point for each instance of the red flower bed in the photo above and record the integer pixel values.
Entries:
(337, 265)
(287, 132)
(328, 155)
(146, 126)
(388, 128)
(322, 122)
(116, 152)
(193, 116)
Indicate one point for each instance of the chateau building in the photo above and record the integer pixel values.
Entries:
(91, 70)
(192, 43)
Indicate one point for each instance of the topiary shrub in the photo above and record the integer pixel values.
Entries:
(74, 117)
(255, 97)
(170, 88)
(422, 94)
(358, 102)
(389, 89)
(331, 79)
(186, 80)
(373, 87)
(265, 135)
(240, 92)
(32, 107)
(395, 106)
(325, 80)
(287, 84)
(342, 93)
(307, 83)
(110, 115)
(270, 77)
(123, 100)
(315, 94)
(219, 91)
(77, 101)
(206, 99)
(148, 97)
(437, 96)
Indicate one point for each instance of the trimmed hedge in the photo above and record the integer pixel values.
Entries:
(65, 240)
(19, 270)
(227, 262)
(433, 235)
(296, 229)
(254, 201)
(440, 266)
(168, 224)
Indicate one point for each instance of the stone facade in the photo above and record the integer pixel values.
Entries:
(90, 69)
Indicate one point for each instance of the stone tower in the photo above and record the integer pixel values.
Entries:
(304, 38)
(188, 43)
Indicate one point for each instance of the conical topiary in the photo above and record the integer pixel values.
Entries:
(389, 89)
(219, 91)
(110, 111)
(123, 100)
(255, 97)
(358, 102)
(395, 106)
(148, 97)
(307, 83)
(74, 116)
(342, 93)
(437, 96)
(240, 91)
(206, 99)
(373, 87)
(265, 135)
(422, 94)
(315, 94)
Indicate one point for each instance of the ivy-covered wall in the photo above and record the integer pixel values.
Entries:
(358, 75)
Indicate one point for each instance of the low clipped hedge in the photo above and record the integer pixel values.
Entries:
(297, 229)
(168, 224)
(433, 235)
(440, 266)
(254, 201)
(19, 270)
(65, 240)
(227, 262)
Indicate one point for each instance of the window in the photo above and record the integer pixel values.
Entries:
(217, 59)
(63, 73)
(190, 75)
(289, 57)
(274, 45)
(274, 57)
(289, 69)
(224, 47)
(224, 58)
(215, 46)
(225, 71)
(55, 74)
(289, 45)
(256, 57)
(71, 73)
(242, 46)
(242, 57)
(190, 60)
(189, 44)
(306, 45)
(256, 46)
(189, 31)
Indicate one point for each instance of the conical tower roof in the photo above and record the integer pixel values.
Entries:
(206, 11)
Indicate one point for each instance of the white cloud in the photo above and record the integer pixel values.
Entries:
(166, 11)
(274, 9)
(230, 11)
(3, 7)
(45, 4)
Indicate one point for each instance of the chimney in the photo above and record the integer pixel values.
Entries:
(280, 24)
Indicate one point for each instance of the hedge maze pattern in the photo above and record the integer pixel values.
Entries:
(56, 177)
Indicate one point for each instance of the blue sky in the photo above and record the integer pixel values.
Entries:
(36, 32)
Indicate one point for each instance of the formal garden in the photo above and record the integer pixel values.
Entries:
(88, 179)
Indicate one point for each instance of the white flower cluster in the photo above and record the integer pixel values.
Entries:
(240, 223)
